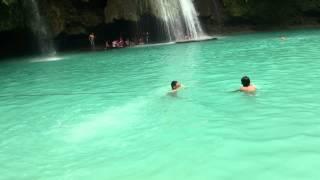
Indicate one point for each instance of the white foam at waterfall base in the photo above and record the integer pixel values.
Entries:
(153, 45)
(46, 59)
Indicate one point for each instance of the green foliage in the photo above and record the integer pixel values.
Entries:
(8, 2)
(10, 15)
(236, 8)
(273, 11)
(270, 11)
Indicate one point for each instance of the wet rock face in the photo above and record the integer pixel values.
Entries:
(68, 16)
(70, 21)
(77, 16)
(80, 16)
(121, 9)
(73, 16)
(131, 10)
(11, 16)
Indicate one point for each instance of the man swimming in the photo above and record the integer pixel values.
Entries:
(246, 85)
(175, 85)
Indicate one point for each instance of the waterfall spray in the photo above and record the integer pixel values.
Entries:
(39, 28)
(180, 19)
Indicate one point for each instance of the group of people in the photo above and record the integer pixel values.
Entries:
(121, 43)
(245, 81)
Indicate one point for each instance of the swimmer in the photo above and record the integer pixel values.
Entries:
(246, 85)
(175, 86)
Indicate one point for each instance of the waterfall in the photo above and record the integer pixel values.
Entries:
(193, 26)
(39, 28)
(217, 10)
(170, 14)
(180, 19)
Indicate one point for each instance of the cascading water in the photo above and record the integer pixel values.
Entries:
(180, 18)
(39, 28)
(193, 26)
(170, 14)
(217, 5)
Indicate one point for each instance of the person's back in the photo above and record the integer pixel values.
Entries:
(246, 85)
(250, 88)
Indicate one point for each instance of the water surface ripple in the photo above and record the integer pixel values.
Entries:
(106, 115)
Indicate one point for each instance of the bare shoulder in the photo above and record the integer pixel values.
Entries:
(248, 89)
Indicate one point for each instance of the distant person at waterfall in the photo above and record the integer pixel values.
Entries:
(246, 85)
(141, 42)
(108, 46)
(120, 43)
(127, 43)
(147, 37)
(114, 44)
(92, 38)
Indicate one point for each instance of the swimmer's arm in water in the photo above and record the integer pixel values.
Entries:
(174, 92)
(238, 90)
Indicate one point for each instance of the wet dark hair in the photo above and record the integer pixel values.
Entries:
(173, 84)
(245, 80)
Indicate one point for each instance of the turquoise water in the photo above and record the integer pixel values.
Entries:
(106, 115)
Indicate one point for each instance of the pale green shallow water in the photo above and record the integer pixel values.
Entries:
(106, 116)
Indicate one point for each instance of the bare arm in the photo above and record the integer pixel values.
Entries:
(238, 90)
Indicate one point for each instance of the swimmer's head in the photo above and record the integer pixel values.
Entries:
(245, 81)
(175, 85)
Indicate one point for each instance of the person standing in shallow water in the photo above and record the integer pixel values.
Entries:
(147, 37)
(92, 38)
(246, 85)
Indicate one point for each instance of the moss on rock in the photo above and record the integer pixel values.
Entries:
(11, 15)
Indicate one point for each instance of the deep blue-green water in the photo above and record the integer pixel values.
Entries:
(106, 115)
